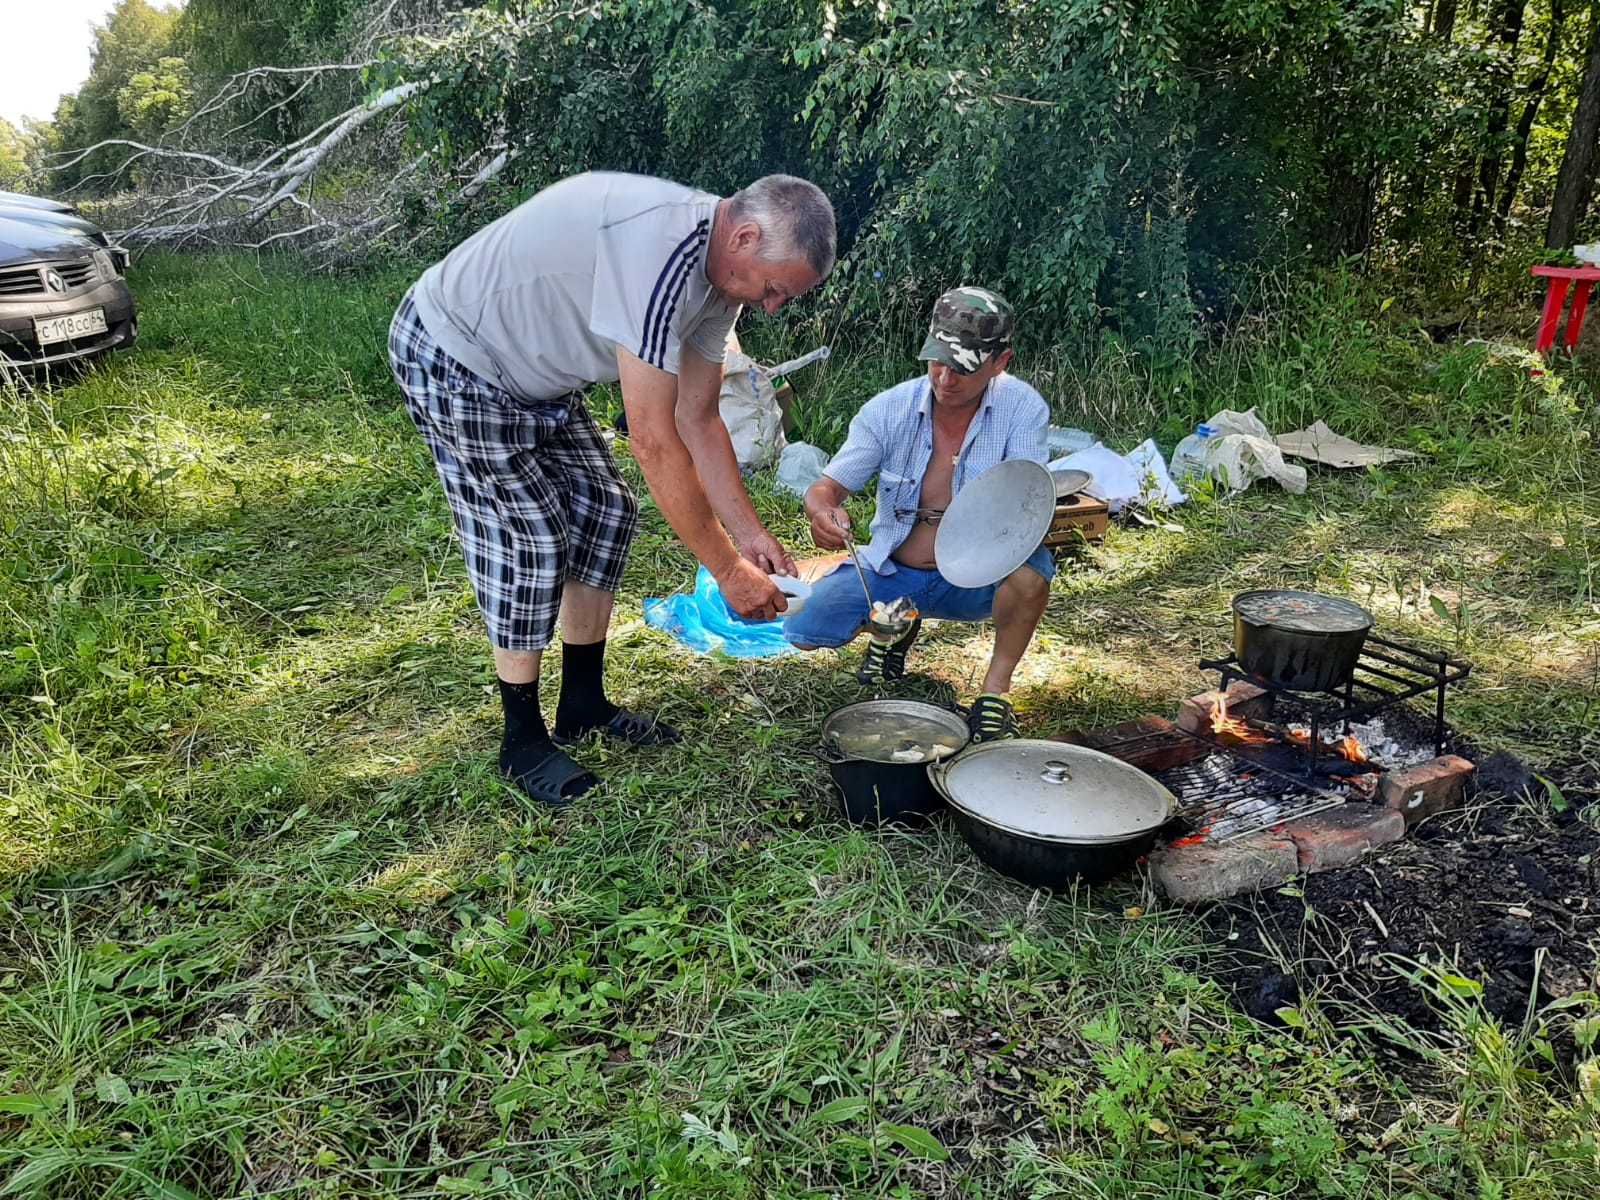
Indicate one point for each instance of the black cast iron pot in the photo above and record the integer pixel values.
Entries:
(874, 789)
(1301, 641)
(1055, 866)
(1050, 814)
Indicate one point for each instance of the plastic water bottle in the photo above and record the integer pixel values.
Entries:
(1190, 456)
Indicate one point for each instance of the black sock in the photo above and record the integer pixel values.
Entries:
(583, 704)
(526, 750)
(526, 739)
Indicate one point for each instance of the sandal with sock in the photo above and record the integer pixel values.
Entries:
(623, 729)
(551, 778)
(527, 756)
(584, 710)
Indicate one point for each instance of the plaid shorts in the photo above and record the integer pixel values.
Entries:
(534, 493)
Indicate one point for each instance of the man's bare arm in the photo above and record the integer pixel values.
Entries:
(700, 425)
(650, 398)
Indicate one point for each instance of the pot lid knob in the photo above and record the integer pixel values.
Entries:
(1056, 771)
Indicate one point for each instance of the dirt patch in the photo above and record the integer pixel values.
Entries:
(1506, 896)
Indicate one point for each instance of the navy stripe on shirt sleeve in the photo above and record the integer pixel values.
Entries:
(664, 297)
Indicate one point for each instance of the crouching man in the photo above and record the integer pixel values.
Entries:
(925, 439)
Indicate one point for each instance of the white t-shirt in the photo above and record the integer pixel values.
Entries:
(538, 301)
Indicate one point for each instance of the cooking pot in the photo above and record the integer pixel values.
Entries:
(1301, 641)
(1051, 814)
(878, 751)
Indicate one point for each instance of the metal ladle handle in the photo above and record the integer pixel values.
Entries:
(850, 545)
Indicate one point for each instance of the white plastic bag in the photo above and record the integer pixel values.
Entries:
(1236, 449)
(799, 466)
(750, 410)
(1138, 477)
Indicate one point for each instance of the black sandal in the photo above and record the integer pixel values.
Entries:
(555, 779)
(627, 729)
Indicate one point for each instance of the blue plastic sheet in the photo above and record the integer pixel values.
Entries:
(703, 621)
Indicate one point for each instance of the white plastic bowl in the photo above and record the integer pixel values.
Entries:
(797, 591)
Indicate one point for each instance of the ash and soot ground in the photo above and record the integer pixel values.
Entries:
(270, 926)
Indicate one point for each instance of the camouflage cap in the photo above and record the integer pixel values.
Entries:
(969, 327)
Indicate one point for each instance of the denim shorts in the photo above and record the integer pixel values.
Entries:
(837, 609)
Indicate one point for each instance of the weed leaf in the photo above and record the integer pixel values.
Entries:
(843, 1109)
(918, 1141)
(112, 1089)
(163, 1189)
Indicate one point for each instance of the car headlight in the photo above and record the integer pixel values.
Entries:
(103, 263)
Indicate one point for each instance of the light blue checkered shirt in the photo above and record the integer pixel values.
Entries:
(892, 438)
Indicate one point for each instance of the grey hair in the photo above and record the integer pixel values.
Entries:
(795, 218)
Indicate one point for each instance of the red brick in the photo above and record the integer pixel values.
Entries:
(1209, 871)
(1340, 836)
(1149, 743)
(1245, 701)
(1420, 791)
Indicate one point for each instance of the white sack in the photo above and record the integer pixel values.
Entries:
(749, 408)
(800, 465)
(1123, 479)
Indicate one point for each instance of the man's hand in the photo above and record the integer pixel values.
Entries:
(766, 552)
(829, 522)
(750, 593)
(828, 527)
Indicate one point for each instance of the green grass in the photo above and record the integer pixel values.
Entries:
(269, 926)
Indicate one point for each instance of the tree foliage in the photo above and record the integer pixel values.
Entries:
(1121, 161)
(1093, 158)
(14, 155)
(136, 42)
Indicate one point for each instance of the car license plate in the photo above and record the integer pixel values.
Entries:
(49, 330)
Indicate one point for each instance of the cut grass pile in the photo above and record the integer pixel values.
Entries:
(269, 926)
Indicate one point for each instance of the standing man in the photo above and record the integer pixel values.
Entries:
(925, 439)
(600, 277)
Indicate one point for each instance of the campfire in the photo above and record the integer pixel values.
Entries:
(1232, 730)
(1271, 782)
(1274, 755)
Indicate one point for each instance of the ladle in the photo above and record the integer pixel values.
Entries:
(889, 629)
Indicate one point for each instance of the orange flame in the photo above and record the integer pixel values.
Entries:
(1351, 749)
(1225, 723)
(1221, 722)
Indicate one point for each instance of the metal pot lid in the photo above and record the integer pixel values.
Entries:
(995, 523)
(895, 731)
(1302, 612)
(1053, 791)
(1069, 481)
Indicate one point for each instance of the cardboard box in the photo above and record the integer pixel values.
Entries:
(1079, 518)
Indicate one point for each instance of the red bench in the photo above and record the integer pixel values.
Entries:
(1556, 297)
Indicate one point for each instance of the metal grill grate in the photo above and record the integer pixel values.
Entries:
(1223, 796)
